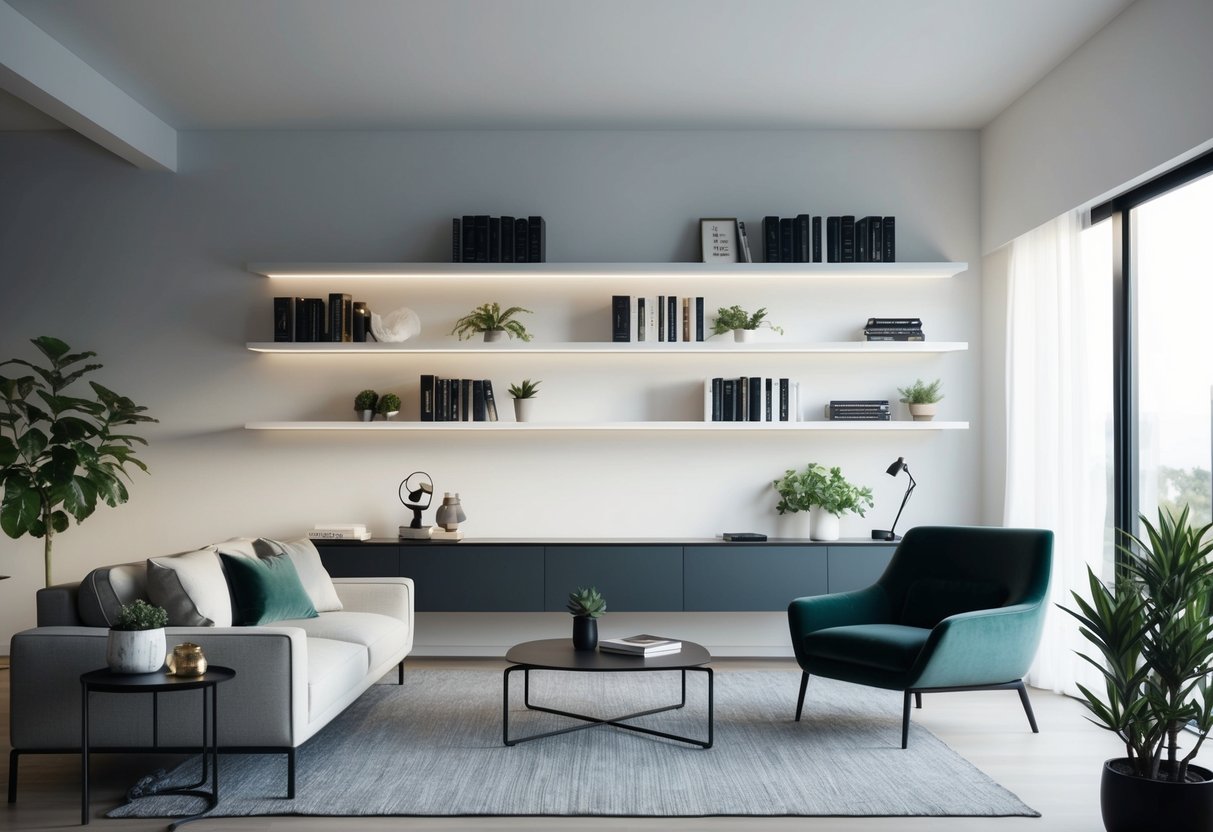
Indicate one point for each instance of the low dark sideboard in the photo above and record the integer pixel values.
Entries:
(515, 575)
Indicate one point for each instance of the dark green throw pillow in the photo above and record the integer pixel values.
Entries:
(265, 590)
(931, 600)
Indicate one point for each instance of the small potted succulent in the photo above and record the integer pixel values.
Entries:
(136, 639)
(364, 404)
(493, 321)
(389, 405)
(586, 604)
(825, 494)
(922, 398)
(741, 323)
(524, 394)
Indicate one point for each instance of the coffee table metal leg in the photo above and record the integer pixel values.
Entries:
(711, 706)
(84, 754)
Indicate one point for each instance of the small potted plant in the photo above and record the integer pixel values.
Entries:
(741, 323)
(388, 406)
(586, 604)
(524, 393)
(922, 398)
(493, 321)
(136, 639)
(1154, 640)
(364, 404)
(825, 494)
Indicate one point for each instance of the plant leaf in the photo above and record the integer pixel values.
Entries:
(80, 497)
(52, 348)
(20, 507)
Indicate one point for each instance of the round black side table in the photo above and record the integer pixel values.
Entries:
(106, 681)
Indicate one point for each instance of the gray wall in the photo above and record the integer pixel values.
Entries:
(147, 269)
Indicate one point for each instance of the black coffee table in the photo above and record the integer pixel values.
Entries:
(558, 654)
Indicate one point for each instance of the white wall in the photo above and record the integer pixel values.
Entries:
(147, 269)
(1129, 103)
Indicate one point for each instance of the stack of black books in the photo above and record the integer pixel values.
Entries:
(308, 319)
(480, 238)
(858, 410)
(457, 400)
(894, 329)
(871, 239)
(792, 239)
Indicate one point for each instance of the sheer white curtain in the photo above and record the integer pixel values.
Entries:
(1057, 392)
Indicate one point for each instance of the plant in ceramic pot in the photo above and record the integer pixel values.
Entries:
(493, 321)
(741, 323)
(136, 641)
(586, 604)
(389, 405)
(364, 404)
(823, 492)
(524, 394)
(1153, 635)
(921, 398)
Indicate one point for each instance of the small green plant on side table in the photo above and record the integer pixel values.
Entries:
(922, 398)
(586, 604)
(136, 642)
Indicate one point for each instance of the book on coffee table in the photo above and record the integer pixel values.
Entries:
(641, 645)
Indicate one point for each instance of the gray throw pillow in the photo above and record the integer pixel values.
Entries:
(192, 588)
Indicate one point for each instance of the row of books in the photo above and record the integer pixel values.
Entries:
(662, 318)
(799, 239)
(640, 645)
(751, 399)
(339, 531)
(457, 400)
(480, 238)
(858, 410)
(309, 319)
(894, 329)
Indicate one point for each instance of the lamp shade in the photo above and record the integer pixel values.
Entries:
(897, 467)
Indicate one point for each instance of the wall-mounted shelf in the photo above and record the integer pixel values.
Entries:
(543, 427)
(722, 347)
(557, 271)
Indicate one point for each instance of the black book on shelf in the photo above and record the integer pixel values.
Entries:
(621, 318)
(833, 239)
(507, 239)
(918, 336)
(846, 246)
(480, 411)
(893, 330)
(340, 312)
(494, 239)
(783, 400)
(786, 241)
(728, 400)
(873, 323)
(768, 390)
(770, 239)
(316, 321)
(671, 318)
(876, 239)
(468, 238)
(754, 399)
(426, 397)
(802, 239)
(537, 240)
(641, 320)
(456, 241)
(522, 247)
(743, 244)
(465, 398)
(361, 324)
(699, 330)
(457, 406)
(284, 319)
(889, 233)
(717, 398)
(816, 245)
(661, 318)
(490, 404)
(482, 238)
(859, 417)
(861, 240)
(442, 399)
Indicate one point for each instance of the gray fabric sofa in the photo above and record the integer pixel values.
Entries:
(293, 676)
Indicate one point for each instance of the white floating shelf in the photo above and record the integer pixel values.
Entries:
(516, 271)
(722, 347)
(749, 427)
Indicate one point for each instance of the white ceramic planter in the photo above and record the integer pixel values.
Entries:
(523, 409)
(135, 651)
(742, 336)
(366, 415)
(824, 525)
(491, 335)
(923, 412)
(795, 525)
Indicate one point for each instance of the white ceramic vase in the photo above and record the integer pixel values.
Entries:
(742, 336)
(366, 415)
(523, 409)
(491, 335)
(135, 651)
(824, 524)
(923, 412)
(795, 525)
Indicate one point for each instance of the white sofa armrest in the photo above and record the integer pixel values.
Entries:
(386, 596)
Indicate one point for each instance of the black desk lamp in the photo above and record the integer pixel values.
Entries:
(411, 499)
(893, 470)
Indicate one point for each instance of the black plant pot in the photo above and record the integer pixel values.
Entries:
(1133, 804)
(585, 633)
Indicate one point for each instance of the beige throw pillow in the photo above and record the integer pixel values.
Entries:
(306, 560)
(192, 588)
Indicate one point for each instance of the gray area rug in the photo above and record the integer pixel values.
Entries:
(433, 747)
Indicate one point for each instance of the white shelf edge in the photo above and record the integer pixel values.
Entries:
(609, 348)
(756, 427)
(490, 271)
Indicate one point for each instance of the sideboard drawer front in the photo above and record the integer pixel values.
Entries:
(631, 578)
(740, 578)
(454, 577)
(359, 560)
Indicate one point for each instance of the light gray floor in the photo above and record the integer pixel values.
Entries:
(1055, 772)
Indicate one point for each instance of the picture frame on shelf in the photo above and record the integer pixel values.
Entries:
(718, 239)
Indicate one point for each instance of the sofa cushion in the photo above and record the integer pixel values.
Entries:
(334, 668)
(931, 600)
(265, 590)
(381, 635)
(312, 574)
(884, 646)
(104, 591)
(242, 546)
(191, 587)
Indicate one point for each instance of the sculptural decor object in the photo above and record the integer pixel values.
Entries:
(396, 326)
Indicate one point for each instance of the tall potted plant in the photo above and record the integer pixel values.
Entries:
(1153, 634)
(825, 493)
(60, 452)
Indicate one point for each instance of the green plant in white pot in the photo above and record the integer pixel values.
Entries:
(136, 639)
(524, 393)
(388, 406)
(364, 404)
(494, 322)
(825, 494)
(922, 399)
(741, 323)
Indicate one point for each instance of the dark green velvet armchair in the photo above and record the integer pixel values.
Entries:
(958, 608)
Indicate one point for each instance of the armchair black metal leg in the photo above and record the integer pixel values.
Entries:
(804, 684)
(918, 700)
(13, 756)
(905, 719)
(400, 673)
(1027, 705)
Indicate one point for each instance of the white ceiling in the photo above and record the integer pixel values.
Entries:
(678, 64)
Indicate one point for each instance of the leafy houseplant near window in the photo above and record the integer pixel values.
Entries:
(524, 393)
(136, 639)
(586, 604)
(823, 492)
(1154, 636)
(60, 452)
(493, 321)
(741, 323)
(922, 398)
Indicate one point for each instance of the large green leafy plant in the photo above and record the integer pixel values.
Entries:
(819, 486)
(59, 452)
(1154, 636)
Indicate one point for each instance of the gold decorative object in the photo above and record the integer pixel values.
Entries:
(186, 660)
